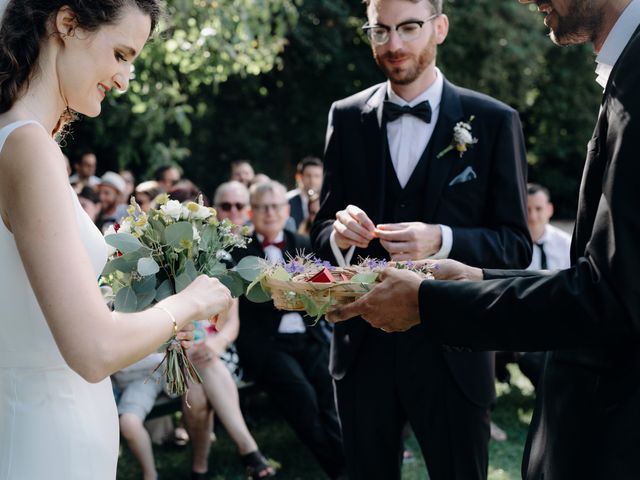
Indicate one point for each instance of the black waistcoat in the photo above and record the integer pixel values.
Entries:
(403, 204)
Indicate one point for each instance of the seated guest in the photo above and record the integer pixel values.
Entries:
(146, 193)
(313, 208)
(231, 200)
(218, 394)
(130, 182)
(259, 178)
(167, 176)
(90, 202)
(85, 175)
(138, 387)
(288, 359)
(111, 188)
(242, 171)
(309, 179)
(187, 191)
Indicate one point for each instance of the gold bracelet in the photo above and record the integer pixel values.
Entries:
(173, 319)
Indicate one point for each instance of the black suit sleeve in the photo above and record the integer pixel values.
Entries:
(594, 303)
(333, 190)
(503, 240)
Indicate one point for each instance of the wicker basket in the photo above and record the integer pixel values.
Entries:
(285, 294)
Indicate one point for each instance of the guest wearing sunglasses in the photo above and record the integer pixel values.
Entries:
(231, 201)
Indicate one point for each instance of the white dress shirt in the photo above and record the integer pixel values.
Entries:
(291, 322)
(616, 41)
(557, 246)
(408, 137)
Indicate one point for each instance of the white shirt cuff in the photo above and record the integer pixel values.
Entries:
(447, 243)
(343, 260)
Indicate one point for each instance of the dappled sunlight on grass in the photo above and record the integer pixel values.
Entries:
(512, 413)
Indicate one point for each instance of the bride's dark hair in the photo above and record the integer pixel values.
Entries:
(24, 27)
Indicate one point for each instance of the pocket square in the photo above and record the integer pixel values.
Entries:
(467, 175)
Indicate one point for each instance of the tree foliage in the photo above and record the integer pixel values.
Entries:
(254, 79)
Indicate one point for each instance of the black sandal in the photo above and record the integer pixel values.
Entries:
(256, 466)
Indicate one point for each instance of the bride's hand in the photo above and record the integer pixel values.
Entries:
(186, 336)
(209, 297)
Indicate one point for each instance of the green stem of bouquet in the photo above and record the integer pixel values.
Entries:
(179, 371)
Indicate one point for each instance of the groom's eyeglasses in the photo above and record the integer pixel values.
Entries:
(407, 31)
(227, 206)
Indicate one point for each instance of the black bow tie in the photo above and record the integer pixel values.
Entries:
(393, 111)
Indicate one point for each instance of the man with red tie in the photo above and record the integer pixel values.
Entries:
(288, 359)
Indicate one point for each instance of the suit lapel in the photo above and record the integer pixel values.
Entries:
(254, 248)
(439, 169)
(375, 150)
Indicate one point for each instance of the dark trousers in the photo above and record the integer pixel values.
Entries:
(296, 377)
(403, 377)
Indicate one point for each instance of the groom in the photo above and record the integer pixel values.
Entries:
(395, 189)
(586, 423)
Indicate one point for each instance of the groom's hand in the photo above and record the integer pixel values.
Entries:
(392, 305)
(410, 240)
(353, 227)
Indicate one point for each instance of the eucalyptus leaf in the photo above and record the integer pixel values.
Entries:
(128, 262)
(164, 290)
(145, 299)
(208, 235)
(215, 267)
(310, 306)
(255, 282)
(280, 274)
(369, 277)
(257, 294)
(126, 300)
(177, 234)
(124, 242)
(190, 269)
(250, 267)
(157, 227)
(233, 281)
(145, 285)
(147, 266)
(188, 274)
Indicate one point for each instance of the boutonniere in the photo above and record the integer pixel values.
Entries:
(462, 138)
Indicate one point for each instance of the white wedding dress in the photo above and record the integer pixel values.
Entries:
(54, 425)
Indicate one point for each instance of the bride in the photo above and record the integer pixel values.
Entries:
(58, 341)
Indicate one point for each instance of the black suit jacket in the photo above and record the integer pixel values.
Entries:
(297, 212)
(259, 322)
(487, 215)
(586, 420)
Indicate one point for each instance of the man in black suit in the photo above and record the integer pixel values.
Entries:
(587, 422)
(309, 178)
(287, 359)
(395, 188)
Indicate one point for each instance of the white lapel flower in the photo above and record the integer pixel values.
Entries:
(462, 138)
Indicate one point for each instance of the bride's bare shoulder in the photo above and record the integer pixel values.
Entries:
(28, 150)
(31, 164)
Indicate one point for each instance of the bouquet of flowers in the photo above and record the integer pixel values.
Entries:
(304, 283)
(156, 254)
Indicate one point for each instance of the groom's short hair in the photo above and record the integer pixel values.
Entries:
(435, 4)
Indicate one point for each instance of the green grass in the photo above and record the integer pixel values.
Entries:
(512, 413)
